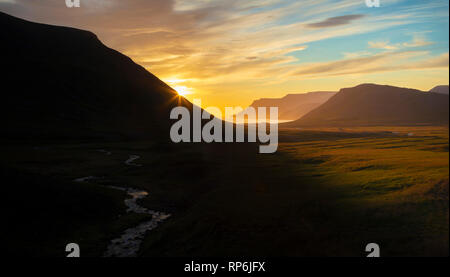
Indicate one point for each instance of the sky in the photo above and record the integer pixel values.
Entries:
(231, 52)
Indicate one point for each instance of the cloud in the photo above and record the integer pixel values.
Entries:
(335, 21)
(351, 55)
(382, 45)
(381, 62)
(418, 41)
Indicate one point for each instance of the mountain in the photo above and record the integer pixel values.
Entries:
(294, 106)
(61, 82)
(371, 104)
(440, 89)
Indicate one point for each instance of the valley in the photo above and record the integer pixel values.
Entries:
(325, 192)
(366, 164)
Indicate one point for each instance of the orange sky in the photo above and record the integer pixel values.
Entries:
(229, 53)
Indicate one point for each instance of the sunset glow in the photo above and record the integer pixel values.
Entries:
(182, 90)
(229, 53)
(259, 129)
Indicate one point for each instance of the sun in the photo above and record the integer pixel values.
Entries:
(176, 84)
(182, 90)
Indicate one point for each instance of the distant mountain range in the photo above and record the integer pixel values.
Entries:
(371, 105)
(294, 106)
(60, 82)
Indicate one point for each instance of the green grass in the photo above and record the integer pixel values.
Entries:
(323, 194)
(394, 188)
(326, 192)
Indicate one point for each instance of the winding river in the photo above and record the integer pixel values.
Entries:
(128, 244)
(131, 159)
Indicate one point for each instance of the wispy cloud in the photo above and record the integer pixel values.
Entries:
(382, 62)
(418, 41)
(351, 55)
(382, 45)
(335, 21)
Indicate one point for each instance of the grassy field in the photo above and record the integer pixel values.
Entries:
(326, 192)
(395, 186)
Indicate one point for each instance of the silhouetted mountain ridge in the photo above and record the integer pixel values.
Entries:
(293, 106)
(440, 89)
(371, 105)
(63, 82)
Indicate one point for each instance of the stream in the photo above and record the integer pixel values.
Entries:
(131, 159)
(128, 244)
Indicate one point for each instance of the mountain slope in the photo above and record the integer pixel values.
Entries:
(294, 106)
(370, 105)
(440, 89)
(61, 82)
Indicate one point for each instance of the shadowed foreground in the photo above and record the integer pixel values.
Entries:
(324, 193)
